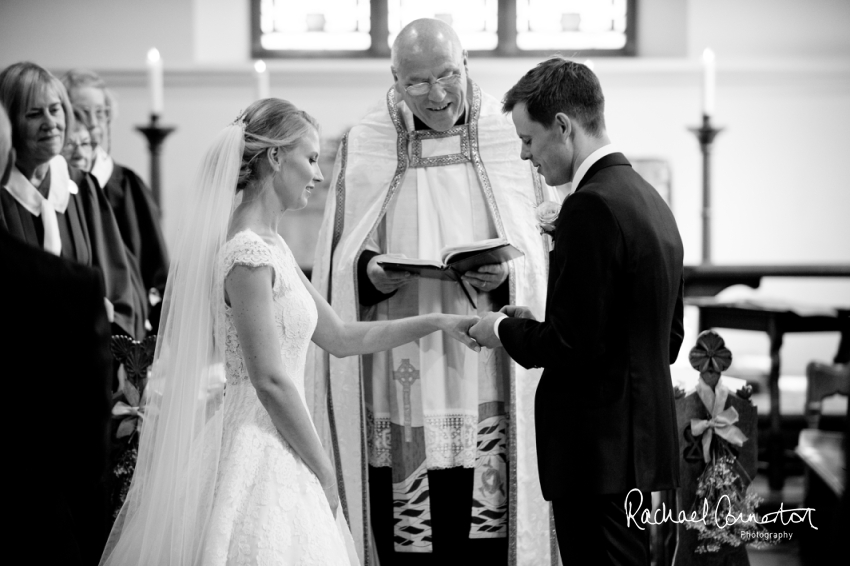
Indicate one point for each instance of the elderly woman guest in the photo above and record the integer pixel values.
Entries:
(78, 150)
(132, 202)
(60, 209)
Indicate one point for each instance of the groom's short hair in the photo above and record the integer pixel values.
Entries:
(559, 85)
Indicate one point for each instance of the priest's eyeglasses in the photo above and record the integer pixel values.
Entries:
(424, 88)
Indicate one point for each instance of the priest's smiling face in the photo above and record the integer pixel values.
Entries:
(426, 63)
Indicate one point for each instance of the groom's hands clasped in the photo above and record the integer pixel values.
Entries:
(484, 332)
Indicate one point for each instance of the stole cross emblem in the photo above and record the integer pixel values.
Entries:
(406, 374)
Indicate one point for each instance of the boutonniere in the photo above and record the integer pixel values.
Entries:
(547, 216)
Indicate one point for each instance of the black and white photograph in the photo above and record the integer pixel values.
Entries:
(425, 282)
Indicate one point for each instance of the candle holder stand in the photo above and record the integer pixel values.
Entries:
(705, 135)
(155, 134)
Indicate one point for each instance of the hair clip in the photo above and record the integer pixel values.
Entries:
(240, 120)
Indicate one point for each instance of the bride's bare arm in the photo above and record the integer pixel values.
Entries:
(349, 338)
(249, 290)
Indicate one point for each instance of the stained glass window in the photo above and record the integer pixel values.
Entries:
(315, 25)
(475, 21)
(573, 25)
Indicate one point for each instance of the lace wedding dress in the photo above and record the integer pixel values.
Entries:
(269, 507)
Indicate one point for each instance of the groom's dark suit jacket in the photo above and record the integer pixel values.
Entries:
(605, 418)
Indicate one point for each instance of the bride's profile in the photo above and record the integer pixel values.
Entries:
(230, 468)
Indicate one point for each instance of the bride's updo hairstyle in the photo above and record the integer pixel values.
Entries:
(269, 123)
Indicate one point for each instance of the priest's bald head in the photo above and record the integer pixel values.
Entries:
(7, 153)
(429, 68)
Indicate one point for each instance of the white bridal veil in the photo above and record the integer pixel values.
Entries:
(165, 515)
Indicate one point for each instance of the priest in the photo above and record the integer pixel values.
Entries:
(433, 446)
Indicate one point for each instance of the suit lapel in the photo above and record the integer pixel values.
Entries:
(609, 160)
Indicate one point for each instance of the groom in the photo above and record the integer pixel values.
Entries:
(604, 412)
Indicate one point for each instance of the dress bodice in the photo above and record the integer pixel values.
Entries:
(269, 507)
(294, 309)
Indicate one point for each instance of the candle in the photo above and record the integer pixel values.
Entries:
(262, 79)
(708, 84)
(155, 80)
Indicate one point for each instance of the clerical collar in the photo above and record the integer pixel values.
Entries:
(420, 125)
(102, 167)
(588, 163)
(61, 188)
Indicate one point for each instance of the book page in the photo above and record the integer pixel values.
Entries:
(449, 252)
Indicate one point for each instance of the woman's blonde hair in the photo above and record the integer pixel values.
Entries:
(270, 123)
(19, 84)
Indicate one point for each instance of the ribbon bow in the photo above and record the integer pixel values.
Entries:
(133, 417)
(122, 409)
(722, 421)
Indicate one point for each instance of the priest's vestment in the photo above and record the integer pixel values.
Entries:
(430, 404)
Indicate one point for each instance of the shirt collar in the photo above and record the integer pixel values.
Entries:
(420, 125)
(589, 161)
(102, 167)
(59, 193)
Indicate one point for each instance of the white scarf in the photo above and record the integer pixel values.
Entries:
(58, 196)
(102, 167)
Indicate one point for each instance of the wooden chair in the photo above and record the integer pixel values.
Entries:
(824, 455)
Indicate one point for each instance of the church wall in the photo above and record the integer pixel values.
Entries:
(783, 91)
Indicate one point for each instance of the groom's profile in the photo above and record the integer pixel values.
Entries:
(604, 413)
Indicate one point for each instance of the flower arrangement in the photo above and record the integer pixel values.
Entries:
(724, 496)
(128, 410)
(730, 503)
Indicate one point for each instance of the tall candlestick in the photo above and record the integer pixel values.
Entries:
(155, 80)
(155, 135)
(262, 79)
(708, 82)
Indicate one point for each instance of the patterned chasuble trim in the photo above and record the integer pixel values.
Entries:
(337, 234)
(416, 137)
(412, 513)
(489, 496)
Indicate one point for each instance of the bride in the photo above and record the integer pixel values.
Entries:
(230, 468)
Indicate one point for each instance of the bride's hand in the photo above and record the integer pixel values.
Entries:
(457, 326)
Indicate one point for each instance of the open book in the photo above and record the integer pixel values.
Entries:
(457, 260)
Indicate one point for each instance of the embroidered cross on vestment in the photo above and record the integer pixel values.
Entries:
(406, 374)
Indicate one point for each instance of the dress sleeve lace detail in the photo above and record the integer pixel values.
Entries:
(247, 248)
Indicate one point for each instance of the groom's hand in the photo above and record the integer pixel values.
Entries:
(483, 331)
(517, 312)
